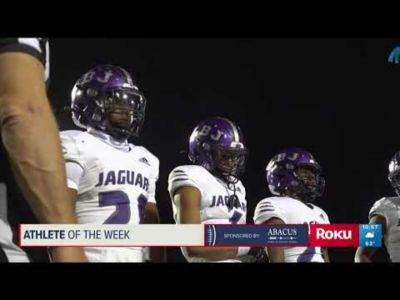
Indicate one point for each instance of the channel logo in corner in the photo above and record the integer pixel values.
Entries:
(334, 235)
(370, 235)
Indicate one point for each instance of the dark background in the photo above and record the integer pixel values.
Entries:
(337, 98)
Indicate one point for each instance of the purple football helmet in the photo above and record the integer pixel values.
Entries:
(104, 90)
(217, 145)
(285, 174)
(394, 172)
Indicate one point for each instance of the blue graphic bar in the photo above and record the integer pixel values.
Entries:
(256, 235)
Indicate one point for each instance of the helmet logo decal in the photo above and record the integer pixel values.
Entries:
(280, 157)
(293, 157)
(205, 130)
(107, 76)
(217, 135)
(87, 77)
(283, 156)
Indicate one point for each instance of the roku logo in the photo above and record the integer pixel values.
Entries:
(333, 234)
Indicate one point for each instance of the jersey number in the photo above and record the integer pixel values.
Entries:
(307, 255)
(120, 200)
(235, 217)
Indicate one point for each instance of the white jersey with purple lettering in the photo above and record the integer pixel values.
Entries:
(389, 208)
(114, 181)
(293, 211)
(215, 194)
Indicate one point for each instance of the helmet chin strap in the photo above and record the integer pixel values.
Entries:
(225, 176)
(233, 201)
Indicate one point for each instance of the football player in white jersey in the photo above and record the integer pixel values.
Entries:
(295, 178)
(210, 190)
(112, 180)
(386, 212)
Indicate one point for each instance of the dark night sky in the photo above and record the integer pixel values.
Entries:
(338, 98)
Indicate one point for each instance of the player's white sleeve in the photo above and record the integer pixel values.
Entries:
(266, 210)
(180, 177)
(153, 181)
(326, 218)
(384, 208)
(70, 150)
(74, 175)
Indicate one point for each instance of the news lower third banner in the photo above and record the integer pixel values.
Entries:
(257, 235)
(209, 235)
